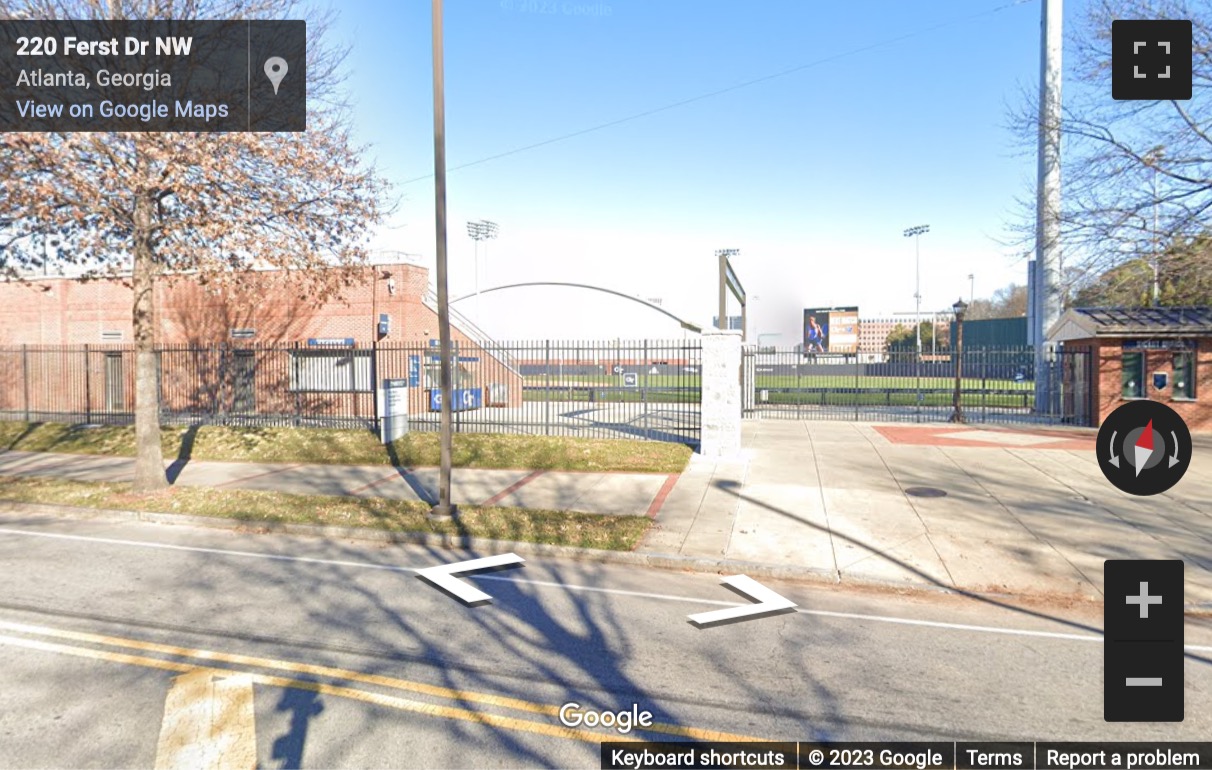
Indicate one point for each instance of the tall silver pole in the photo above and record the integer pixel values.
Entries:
(917, 294)
(444, 507)
(1048, 202)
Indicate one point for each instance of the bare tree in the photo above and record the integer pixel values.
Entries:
(1137, 174)
(215, 205)
(1007, 302)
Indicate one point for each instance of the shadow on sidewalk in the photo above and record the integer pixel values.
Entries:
(731, 488)
(184, 454)
(418, 489)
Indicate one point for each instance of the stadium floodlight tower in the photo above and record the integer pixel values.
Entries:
(483, 230)
(915, 233)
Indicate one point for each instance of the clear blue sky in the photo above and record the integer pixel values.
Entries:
(813, 175)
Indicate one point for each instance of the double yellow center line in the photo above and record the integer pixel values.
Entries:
(200, 661)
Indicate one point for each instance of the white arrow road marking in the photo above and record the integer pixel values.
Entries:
(443, 576)
(208, 724)
(768, 602)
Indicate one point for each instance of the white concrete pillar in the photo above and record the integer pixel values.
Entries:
(721, 388)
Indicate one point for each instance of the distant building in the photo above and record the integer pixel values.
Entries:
(873, 333)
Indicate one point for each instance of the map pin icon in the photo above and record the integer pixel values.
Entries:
(275, 70)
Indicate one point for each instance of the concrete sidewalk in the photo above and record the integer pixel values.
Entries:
(606, 493)
(963, 508)
(979, 509)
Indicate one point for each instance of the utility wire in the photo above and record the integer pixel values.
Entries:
(728, 89)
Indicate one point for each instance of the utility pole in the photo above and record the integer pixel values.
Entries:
(444, 508)
(1048, 198)
(971, 288)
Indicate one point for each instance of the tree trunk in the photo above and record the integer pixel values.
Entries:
(149, 459)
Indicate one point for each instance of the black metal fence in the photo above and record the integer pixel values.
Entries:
(645, 389)
(996, 386)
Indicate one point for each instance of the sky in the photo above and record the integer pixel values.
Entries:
(890, 114)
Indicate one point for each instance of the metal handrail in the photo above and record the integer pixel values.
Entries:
(477, 335)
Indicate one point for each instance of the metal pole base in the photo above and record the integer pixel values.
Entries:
(441, 515)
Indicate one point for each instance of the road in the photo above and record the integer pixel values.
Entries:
(335, 654)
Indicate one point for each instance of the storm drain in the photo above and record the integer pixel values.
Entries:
(925, 492)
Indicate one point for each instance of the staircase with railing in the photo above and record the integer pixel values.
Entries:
(477, 335)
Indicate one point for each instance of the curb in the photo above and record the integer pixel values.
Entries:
(483, 546)
(451, 542)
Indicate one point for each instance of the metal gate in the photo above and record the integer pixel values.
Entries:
(995, 386)
(643, 389)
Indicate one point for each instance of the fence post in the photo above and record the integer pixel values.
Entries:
(547, 389)
(857, 383)
(721, 393)
(984, 385)
(374, 386)
(644, 392)
(88, 388)
(25, 377)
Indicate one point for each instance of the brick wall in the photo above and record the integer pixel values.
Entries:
(57, 312)
(1107, 388)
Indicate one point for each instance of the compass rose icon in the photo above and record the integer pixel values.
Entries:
(1144, 447)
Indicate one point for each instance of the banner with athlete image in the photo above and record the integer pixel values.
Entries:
(831, 330)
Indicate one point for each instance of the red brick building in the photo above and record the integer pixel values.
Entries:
(65, 346)
(1133, 350)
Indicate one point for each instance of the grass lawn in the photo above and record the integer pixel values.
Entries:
(582, 530)
(354, 447)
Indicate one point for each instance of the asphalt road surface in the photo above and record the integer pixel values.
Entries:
(117, 639)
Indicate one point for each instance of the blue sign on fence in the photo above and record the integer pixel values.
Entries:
(434, 358)
(414, 371)
(464, 399)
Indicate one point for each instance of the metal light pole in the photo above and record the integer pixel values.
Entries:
(933, 335)
(916, 232)
(444, 508)
(957, 413)
(482, 230)
(1047, 287)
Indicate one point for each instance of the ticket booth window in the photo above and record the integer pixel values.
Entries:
(1184, 374)
(1134, 374)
